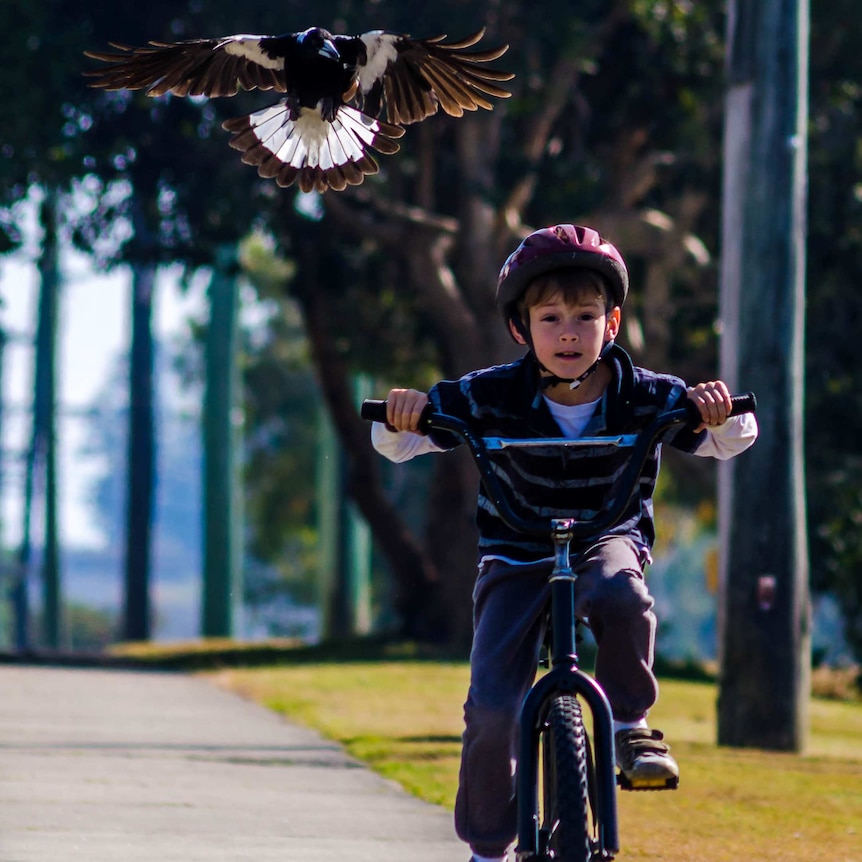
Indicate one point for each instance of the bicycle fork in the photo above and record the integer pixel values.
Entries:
(565, 677)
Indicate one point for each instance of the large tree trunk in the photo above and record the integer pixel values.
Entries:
(451, 538)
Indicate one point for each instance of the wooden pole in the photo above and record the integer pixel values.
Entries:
(764, 610)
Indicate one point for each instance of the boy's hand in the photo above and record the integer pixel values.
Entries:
(713, 402)
(404, 409)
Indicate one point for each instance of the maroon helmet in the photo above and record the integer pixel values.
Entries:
(559, 247)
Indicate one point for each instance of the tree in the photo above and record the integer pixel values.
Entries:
(616, 119)
(833, 451)
(414, 253)
(456, 200)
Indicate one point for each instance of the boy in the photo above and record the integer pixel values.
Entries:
(561, 293)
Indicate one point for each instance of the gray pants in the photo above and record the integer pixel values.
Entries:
(509, 618)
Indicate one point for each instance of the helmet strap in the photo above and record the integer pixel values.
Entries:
(573, 382)
(549, 380)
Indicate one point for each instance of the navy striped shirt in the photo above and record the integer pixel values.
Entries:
(505, 401)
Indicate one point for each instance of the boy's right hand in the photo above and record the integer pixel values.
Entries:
(404, 409)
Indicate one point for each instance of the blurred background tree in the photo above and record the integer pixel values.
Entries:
(615, 121)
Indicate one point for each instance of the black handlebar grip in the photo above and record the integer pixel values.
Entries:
(373, 411)
(743, 404)
(739, 404)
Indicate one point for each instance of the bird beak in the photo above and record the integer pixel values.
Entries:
(328, 49)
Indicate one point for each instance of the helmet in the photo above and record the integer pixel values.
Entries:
(559, 247)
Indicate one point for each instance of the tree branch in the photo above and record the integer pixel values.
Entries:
(562, 79)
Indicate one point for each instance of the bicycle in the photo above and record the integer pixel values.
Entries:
(575, 820)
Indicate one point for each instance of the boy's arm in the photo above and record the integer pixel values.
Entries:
(731, 438)
(399, 446)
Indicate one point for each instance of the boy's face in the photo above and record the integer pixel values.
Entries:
(568, 334)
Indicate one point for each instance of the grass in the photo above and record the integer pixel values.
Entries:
(403, 718)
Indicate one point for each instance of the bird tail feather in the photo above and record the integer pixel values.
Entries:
(310, 151)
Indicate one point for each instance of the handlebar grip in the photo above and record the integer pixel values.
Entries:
(373, 411)
(743, 403)
(739, 404)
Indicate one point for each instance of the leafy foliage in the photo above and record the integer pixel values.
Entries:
(834, 403)
(616, 120)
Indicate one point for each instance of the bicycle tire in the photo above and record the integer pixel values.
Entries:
(565, 793)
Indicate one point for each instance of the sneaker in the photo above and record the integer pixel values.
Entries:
(644, 760)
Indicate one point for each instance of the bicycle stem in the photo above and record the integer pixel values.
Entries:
(564, 650)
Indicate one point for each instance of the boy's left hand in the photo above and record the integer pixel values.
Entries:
(713, 402)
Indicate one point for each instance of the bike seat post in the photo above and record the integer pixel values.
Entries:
(562, 580)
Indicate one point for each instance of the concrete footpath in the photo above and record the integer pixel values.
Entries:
(121, 766)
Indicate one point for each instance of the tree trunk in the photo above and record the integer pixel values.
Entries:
(451, 538)
(416, 594)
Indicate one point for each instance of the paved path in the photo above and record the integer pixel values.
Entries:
(124, 766)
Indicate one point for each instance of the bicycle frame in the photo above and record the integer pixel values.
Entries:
(565, 676)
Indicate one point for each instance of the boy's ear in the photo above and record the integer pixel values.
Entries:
(515, 334)
(612, 327)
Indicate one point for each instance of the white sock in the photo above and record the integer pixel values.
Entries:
(629, 725)
(478, 858)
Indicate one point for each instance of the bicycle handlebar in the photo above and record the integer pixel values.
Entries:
(641, 444)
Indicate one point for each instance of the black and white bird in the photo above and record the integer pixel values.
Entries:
(336, 88)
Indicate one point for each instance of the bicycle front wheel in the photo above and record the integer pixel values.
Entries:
(565, 814)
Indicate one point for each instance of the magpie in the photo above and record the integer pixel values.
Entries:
(335, 90)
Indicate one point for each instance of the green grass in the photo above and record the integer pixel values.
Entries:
(404, 719)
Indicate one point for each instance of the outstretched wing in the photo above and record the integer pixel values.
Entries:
(198, 67)
(414, 77)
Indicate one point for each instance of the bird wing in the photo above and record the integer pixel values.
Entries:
(198, 67)
(413, 77)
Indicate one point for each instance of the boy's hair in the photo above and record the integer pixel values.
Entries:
(571, 283)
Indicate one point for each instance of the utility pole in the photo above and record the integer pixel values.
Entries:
(45, 422)
(764, 607)
(222, 588)
(141, 460)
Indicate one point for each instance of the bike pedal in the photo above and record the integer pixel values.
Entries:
(646, 785)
